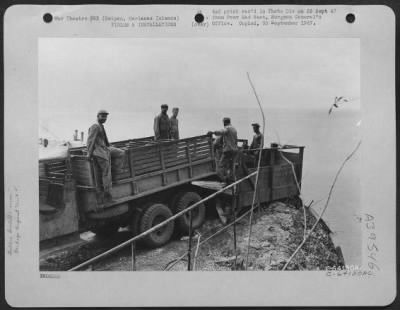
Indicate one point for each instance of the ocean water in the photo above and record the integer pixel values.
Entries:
(328, 140)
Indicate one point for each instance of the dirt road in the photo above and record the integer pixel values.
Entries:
(276, 232)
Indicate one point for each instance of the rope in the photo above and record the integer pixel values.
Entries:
(158, 226)
(258, 169)
(325, 207)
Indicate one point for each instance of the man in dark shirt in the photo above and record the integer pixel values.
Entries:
(162, 126)
(258, 140)
(174, 123)
(99, 149)
(229, 149)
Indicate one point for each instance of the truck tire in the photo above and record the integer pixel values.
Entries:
(174, 200)
(152, 216)
(198, 214)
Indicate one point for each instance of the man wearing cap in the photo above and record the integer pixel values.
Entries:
(229, 148)
(174, 125)
(258, 140)
(162, 126)
(99, 149)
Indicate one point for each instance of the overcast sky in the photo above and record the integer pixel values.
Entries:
(125, 75)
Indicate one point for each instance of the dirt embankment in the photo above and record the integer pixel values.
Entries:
(277, 231)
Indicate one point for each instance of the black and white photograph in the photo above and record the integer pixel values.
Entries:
(134, 131)
(206, 150)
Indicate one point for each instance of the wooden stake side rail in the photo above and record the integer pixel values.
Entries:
(146, 170)
(153, 191)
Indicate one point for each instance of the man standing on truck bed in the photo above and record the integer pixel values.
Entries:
(258, 140)
(174, 124)
(229, 149)
(162, 126)
(100, 150)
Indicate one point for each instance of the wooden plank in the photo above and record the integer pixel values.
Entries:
(147, 170)
(142, 168)
(155, 157)
(155, 162)
(164, 175)
(176, 162)
(201, 153)
(63, 171)
(272, 163)
(172, 146)
(200, 150)
(190, 161)
(132, 171)
(143, 194)
(172, 156)
(198, 144)
(138, 140)
(153, 153)
(197, 158)
(158, 172)
(139, 168)
(143, 161)
(55, 174)
(56, 166)
(152, 148)
(56, 162)
(168, 164)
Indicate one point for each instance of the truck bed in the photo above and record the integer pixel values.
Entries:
(150, 166)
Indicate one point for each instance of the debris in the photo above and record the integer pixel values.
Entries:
(185, 238)
(226, 260)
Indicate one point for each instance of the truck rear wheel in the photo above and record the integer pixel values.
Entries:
(186, 200)
(152, 216)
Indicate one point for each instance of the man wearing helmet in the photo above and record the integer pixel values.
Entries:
(99, 149)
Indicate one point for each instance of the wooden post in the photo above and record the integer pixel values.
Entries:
(190, 239)
(272, 163)
(132, 170)
(164, 176)
(234, 197)
(210, 144)
(133, 255)
(190, 159)
(300, 166)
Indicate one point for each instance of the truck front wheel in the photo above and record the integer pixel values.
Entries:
(152, 216)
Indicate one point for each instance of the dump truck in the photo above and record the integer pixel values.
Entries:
(158, 179)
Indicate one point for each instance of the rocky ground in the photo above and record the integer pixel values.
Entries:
(277, 231)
